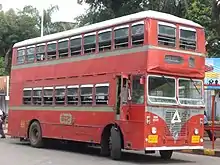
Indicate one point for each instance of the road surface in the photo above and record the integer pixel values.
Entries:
(12, 152)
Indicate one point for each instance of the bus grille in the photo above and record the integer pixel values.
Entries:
(176, 129)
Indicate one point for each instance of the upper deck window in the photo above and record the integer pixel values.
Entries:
(63, 48)
(187, 38)
(105, 39)
(40, 52)
(51, 50)
(21, 56)
(137, 33)
(166, 34)
(121, 36)
(75, 45)
(30, 54)
(90, 42)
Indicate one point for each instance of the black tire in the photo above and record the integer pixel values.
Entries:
(166, 155)
(35, 135)
(115, 147)
(105, 148)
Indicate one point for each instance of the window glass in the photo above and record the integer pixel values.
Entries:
(27, 96)
(90, 39)
(102, 94)
(30, 54)
(48, 96)
(121, 33)
(137, 34)
(161, 90)
(86, 94)
(187, 39)
(137, 29)
(63, 49)
(190, 92)
(51, 51)
(105, 36)
(60, 96)
(40, 52)
(37, 95)
(167, 30)
(137, 90)
(63, 44)
(75, 42)
(72, 95)
(20, 56)
(75, 46)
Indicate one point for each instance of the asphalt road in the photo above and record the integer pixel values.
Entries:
(12, 152)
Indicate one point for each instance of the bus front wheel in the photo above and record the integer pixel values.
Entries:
(115, 144)
(166, 155)
(35, 135)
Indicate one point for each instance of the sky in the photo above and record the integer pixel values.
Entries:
(67, 11)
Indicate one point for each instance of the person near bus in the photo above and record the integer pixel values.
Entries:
(2, 120)
(209, 132)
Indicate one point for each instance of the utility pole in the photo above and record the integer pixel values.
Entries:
(42, 22)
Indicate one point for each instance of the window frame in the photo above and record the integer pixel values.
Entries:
(172, 25)
(190, 105)
(192, 30)
(50, 43)
(55, 95)
(169, 98)
(24, 56)
(78, 96)
(27, 89)
(48, 88)
(142, 22)
(81, 46)
(101, 85)
(86, 86)
(66, 54)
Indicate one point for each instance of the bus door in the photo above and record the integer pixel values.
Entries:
(123, 97)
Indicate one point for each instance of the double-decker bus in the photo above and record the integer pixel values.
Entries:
(133, 83)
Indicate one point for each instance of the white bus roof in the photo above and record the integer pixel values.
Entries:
(89, 28)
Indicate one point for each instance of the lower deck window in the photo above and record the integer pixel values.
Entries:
(27, 93)
(37, 96)
(86, 94)
(48, 96)
(102, 94)
(137, 90)
(60, 95)
(72, 95)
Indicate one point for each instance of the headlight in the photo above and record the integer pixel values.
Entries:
(196, 131)
(154, 130)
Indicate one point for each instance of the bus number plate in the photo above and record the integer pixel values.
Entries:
(195, 139)
(153, 139)
(66, 119)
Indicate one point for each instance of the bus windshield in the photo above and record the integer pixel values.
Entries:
(161, 90)
(190, 92)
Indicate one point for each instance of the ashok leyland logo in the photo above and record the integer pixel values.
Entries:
(176, 118)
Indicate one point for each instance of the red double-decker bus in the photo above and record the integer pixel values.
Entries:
(134, 83)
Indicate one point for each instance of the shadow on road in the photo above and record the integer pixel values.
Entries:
(129, 157)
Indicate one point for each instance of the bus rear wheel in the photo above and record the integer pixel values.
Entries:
(166, 155)
(35, 135)
(115, 144)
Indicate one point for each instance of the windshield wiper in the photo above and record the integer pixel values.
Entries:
(195, 87)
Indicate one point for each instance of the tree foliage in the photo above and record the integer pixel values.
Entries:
(204, 12)
(24, 24)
